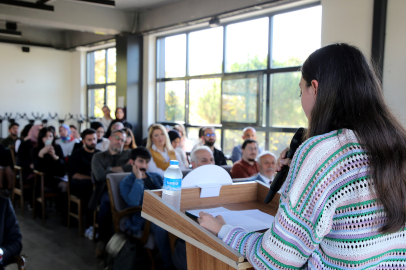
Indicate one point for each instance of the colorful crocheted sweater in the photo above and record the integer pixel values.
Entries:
(328, 217)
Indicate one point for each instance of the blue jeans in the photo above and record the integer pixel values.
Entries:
(162, 241)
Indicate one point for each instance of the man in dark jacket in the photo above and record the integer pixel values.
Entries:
(114, 160)
(10, 235)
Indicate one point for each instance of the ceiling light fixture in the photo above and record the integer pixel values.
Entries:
(214, 22)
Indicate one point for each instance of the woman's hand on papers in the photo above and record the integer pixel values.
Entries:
(282, 160)
(213, 224)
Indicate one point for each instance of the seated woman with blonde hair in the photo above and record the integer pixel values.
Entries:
(161, 149)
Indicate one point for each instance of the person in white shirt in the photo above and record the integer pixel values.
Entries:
(267, 168)
(66, 141)
(106, 119)
(175, 138)
(102, 143)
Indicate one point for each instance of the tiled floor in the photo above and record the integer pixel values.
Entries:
(54, 246)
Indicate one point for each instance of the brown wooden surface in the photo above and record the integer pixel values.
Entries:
(156, 208)
(197, 259)
(240, 196)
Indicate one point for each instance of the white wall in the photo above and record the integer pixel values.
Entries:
(348, 21)
(43, 80)
(394, 70)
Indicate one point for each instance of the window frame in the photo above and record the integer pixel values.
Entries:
(101, 85)
(262, 91)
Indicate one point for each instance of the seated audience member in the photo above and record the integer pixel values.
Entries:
(48, 158)
(120, 118)
(66, 140)
(23, 135)
(185, 144)
(130, 141)
(6, 159)
(24, 157)
(10, 235)
(114, 160)
(52, 128)
(209, 136)
(132, 190)
(12, 135)
(74, 132)
(201, 156)
(80, 172)
(267, 168)
(106, 119)
(160, 148)
(246, 166)
(174, 136)
(102, 143)
(248, 133)
(6, 171)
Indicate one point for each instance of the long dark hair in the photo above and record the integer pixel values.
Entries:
(41, 134)
(350, 96)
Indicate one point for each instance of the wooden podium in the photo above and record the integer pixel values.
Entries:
(205, 250)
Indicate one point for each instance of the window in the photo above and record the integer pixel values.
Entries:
(237, 75)
(101, 81)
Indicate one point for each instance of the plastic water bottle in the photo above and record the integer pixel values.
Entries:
(172, 184)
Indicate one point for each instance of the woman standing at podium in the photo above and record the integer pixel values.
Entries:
(344, 200)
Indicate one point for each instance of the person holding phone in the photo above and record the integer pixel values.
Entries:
(343, 205)
(49, 159)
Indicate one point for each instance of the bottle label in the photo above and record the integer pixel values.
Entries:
(172, 184)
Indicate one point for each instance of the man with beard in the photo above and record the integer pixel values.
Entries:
(132, 190)
(13, 135)
(80, 172)
(246, 166)
(114, 160)
(209, 140)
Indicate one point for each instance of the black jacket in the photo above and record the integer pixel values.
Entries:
(10, 235)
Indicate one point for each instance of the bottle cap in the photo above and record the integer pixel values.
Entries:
(174, 162)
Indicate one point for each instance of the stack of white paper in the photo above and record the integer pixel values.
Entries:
(251, 220)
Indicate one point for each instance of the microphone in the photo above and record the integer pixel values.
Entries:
(283, 173)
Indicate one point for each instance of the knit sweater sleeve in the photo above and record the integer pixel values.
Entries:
(303, 217)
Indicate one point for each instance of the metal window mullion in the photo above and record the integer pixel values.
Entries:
(187, 101)
(106, 74)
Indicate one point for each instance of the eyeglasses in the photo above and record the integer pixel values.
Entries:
(211, 134)
(100, 132)
(119, 139)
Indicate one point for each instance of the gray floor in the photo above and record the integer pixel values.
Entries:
(54, 246)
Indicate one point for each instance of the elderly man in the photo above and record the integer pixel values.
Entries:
(246, 166)
(114, 160)
(209, 137)
(248, 133)
(201, 156)
(267, 168)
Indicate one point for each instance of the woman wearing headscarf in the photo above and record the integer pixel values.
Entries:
(120, 117)
(24, 159)
(66, 141)
(102, 143)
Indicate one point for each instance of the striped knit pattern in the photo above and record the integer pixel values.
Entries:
(328, 216)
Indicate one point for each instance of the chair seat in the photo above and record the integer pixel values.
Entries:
(74, 199)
